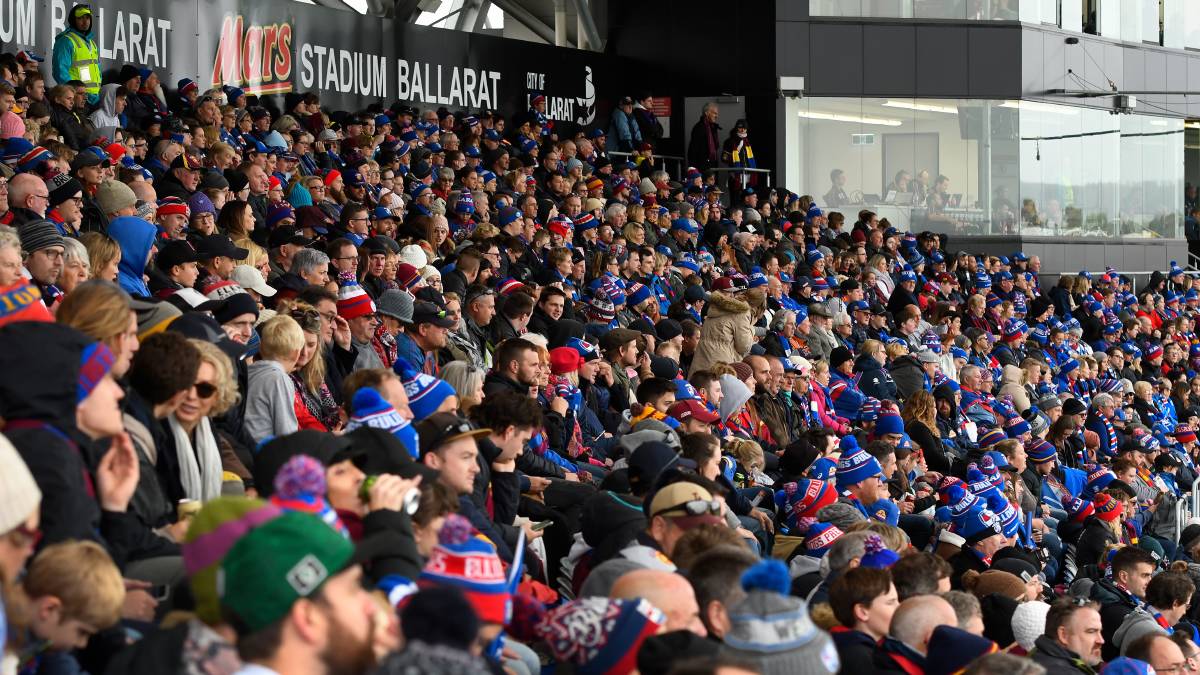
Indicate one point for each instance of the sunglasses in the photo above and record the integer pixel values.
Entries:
(696, 507)
(205, 390)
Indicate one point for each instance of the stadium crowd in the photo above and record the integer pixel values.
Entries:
(297, 390)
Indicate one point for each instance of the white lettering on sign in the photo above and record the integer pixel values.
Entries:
(343, 71)
(134, 39)
(18, 24)
(449, 85)
(580, 109)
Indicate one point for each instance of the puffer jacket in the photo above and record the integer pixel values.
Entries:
(727, 333)
(875, 380)
(1010, 385)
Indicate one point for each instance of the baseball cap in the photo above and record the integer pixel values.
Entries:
(186, 161)
(249, 278)
(286, 235)
(427, 312)
(174, 253)
(441, 429)
(279, 562)
(692, 409)
(687, 504)
(220, 245)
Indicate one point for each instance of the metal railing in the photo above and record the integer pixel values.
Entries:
(678, 163)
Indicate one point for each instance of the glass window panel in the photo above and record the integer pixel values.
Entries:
(940, 9)
(1072, 15)
(1031, 11)
(887, 8)
(1110, 19)
(1191, 36)
(1049, 13)
(1132, 16)
(834, 7)
(1150, 20)
(1174, 23)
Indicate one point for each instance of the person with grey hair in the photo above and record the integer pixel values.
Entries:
(704, 144)
(312, 266)
(76, 266)
(842, 556)
(968, 610)
(1100, 420)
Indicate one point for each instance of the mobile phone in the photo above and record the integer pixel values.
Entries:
(538, 527)
(160, 592)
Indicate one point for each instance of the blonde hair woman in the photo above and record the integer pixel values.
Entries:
(104, 255)
(201, 468)
(467, 381)
(100, 310)
(315, 407)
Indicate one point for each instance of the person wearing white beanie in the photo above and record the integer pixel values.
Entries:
(414, 255)
(20, 502)
(1028, 622)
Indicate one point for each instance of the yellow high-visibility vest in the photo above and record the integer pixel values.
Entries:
(85, 62)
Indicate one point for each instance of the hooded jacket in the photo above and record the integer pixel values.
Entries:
(908, 375)
(1137, 623)
(105, 118)
(38, 403)
(727, 332)
(135, 237)
(1057, 659)
(1010, 385)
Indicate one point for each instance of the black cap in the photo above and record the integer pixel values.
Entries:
(220, 245)
(668, 329)
(427, 312)
(85, 159)
(878, 309)
(421, 170)
(385, 453)
(650, 461)
(440, 429)
(174, 253)
(286, 235)
(327, 448)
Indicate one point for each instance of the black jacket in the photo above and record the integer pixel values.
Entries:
(875, 381)
(1114, 605)
(699, 154)
(1057, 659)
(38, 401)
(169, 186)
(907, 373)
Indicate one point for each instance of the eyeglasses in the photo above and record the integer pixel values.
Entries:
(205, 390)
(78, 201)
(348, 257)
(696, 507)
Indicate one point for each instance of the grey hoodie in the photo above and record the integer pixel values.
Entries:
(1137, 623)
(105, 117)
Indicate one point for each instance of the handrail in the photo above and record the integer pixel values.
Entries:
(1196, 495)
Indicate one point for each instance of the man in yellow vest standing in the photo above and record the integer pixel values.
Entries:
(76, 55)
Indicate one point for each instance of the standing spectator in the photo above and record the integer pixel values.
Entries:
(76, 55)
(704, 145)
(624, 128)
(270, 394)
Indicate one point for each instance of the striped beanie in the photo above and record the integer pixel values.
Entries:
(212, 532)
(354, 302)
(469, 562)
(39, 234)
(94, 363)
(991, 437)
(804, 498)
(426, 393)
(1040, 451)
(600, 636)
(22, 301)
(300, 486)
(1107, 508)
(1079, 509)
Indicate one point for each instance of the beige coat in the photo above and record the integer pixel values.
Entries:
(1010, 385)
(727, 332)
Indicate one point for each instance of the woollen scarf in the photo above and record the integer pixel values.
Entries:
(200, 468)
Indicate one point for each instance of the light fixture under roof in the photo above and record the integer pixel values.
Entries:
(923, 107)
(852, 119)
